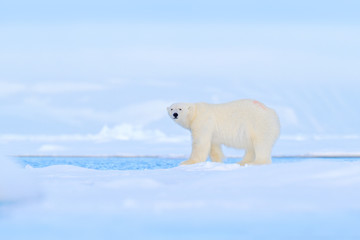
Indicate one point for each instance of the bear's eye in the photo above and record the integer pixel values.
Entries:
(180, 109)
(171, 109)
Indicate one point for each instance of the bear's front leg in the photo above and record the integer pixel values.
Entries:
(200, 147)
(216, 154)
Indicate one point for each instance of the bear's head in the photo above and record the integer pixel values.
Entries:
(182, 113)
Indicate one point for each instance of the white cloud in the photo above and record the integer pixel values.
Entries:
(296, 137)
(319, 137)
(122, 132)
(133, 132)
(46, 138)
(219, 95)
(61, 87)
(144, 112)
(7, 88)
(47, 148)
(287, 116)
(128, 132)
(141, 113)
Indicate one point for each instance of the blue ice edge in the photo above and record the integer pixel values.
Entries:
(142, 163)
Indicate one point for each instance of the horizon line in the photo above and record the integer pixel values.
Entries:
(315, 155)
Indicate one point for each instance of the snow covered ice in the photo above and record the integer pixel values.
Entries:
(307, 199)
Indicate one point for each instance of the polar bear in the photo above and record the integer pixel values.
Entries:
(243, 124)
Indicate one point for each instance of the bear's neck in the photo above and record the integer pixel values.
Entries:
(186, 125)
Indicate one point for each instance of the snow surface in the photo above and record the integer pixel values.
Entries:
(310, 199)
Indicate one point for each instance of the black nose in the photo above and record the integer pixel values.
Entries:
(175, 115)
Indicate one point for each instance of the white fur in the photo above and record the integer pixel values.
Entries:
(244, 124)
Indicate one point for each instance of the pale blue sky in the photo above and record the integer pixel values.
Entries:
(181, 11)
(88, 77)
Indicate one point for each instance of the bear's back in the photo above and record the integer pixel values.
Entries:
(234, 123)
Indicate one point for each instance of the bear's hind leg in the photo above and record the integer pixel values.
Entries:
(249, 157)
(216, 154)
(262, 153)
